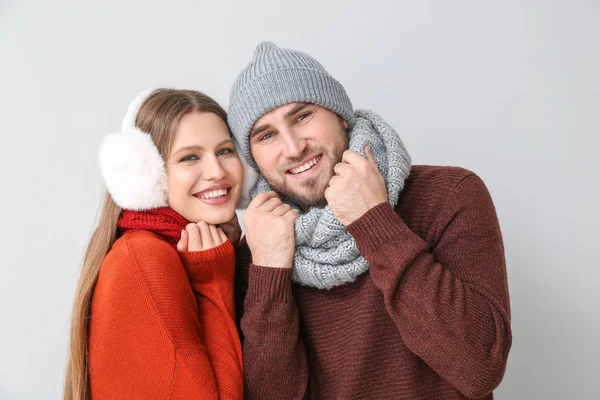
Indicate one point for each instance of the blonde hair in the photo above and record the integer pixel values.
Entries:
(159, 116)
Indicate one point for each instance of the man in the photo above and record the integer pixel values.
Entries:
(360, 276)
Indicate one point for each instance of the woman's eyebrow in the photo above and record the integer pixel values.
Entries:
(200, 148)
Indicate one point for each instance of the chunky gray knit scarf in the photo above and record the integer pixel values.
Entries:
(326, 255)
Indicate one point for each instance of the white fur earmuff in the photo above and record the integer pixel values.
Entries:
(131, 166)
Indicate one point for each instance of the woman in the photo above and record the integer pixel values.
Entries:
(154, 314)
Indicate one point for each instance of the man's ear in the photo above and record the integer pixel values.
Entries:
(250, 178)
(343, 122)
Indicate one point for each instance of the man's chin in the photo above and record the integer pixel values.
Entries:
(307, 197)
(307, 194)
(306, 202)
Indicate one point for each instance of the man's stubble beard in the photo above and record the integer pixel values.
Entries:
(317, 198)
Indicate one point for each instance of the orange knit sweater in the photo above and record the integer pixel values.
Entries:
(162, 323)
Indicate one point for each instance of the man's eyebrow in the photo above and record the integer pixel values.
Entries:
(200, 148)
(299, 107)
(258, 130)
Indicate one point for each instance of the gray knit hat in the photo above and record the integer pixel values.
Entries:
(276, 77)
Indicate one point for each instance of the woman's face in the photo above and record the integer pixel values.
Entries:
(204, 172)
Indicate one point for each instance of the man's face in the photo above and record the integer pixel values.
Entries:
(296, 147)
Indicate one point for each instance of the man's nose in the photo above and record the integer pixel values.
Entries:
(294, 145)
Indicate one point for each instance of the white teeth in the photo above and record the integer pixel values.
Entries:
(306, 166)
(214, 193)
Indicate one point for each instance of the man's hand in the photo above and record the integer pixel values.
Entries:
(232, 229)
(200, 237)
(356, 187)
(269, 225)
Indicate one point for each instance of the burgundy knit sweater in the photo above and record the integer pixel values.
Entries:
(430, 320)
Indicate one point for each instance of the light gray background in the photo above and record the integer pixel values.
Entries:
(509, 89)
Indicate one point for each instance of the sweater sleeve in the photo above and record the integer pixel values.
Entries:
(211, 275)
(145, 336)
(274, 357)
(449, 303)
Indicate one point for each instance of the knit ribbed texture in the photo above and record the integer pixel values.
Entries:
(163, 326)
(163, 221)
(431, 320)
(276, 77)
(270, 285)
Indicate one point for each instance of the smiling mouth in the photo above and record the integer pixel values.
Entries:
(214, 194)
(306, 166)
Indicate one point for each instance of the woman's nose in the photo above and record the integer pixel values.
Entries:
(214, 171)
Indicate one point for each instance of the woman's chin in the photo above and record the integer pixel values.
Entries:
(222, 217)
(216, 216)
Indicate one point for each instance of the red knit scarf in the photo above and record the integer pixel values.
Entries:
(165, 222)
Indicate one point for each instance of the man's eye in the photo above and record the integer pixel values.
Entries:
(267, 136)
(191, 157)
(228, 150)
(302, 117)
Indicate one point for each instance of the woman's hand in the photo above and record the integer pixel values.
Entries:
(201, 236)
(232, 229)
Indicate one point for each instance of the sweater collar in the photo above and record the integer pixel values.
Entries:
(164, 222)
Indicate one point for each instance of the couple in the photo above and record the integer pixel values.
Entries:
(360, 276)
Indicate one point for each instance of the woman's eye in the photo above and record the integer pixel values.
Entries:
(191, 157)
(225, 151)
